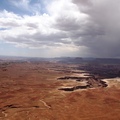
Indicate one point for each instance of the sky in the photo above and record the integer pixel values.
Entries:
(60, 28)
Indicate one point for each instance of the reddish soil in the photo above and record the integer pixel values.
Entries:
(29, 91)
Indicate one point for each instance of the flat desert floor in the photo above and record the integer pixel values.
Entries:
(31, 91)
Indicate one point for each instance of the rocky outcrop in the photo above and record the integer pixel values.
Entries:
(91, 82)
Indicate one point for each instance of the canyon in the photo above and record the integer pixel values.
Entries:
(56, 91)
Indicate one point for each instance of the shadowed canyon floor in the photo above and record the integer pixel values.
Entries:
(52, 91)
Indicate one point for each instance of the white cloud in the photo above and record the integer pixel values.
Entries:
(50, 30)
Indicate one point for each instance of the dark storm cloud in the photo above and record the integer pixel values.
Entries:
(103, 37)
(67, 24)
(82, 3)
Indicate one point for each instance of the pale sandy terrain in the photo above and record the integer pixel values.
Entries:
(113, 82)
